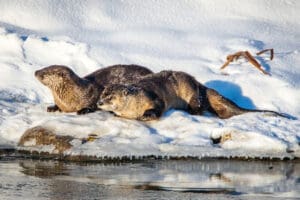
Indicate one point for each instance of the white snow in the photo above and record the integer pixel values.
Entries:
(189, 35)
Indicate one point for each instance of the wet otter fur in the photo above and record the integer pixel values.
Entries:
(74, 94)
(151, 96)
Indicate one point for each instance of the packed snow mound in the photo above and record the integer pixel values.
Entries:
(191, 36)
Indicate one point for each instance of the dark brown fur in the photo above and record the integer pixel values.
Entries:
(74, 94)
(151, 96)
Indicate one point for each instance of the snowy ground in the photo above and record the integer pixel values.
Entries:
(189, 35)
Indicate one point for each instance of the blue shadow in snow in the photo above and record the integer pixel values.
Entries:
(264, 64)
(260, 45)
(153, 131)
(232, 92)
(45, 39)
(24, 38)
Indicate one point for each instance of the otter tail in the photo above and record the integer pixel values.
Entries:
(225, 108)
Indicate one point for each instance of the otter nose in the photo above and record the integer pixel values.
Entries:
(100, 103)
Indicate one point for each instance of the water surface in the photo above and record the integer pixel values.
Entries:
(154, 179)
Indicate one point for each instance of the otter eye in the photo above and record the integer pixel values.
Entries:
(106, 95)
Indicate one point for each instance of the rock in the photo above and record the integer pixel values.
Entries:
(38, 137)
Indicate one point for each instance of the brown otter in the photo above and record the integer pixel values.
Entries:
(74, 94)
(152, 95)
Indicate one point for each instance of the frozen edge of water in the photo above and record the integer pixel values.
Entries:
(22, 153)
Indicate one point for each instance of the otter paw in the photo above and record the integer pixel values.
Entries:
(85, 111)
(53, 108)
(149, 115)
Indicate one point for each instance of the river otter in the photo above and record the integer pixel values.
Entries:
(74, 94)
(151, 96)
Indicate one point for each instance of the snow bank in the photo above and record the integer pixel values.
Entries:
(191, 36)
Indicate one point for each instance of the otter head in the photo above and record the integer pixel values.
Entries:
(55, 75)
(127, 101)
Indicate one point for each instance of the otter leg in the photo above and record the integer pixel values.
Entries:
(222, 106)
(195, 105)
(53, 108)
(151, 114)
(85, 111)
